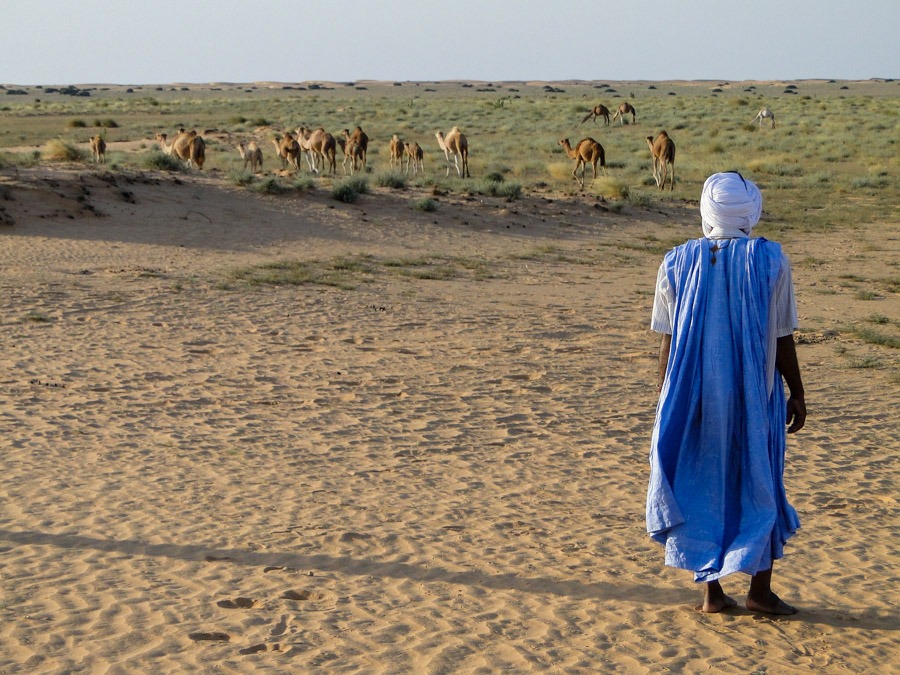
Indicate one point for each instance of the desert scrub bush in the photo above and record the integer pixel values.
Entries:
(613, 188)
(878, 338)
(508, 191)
(240, 176)
(640, 199)
(106, 124)
(271, 186)
(348, 190)
(341, 272)
(560, 170)
(76, 124)
(426, 204)
(58, 150)
(160, 161)
(869, 182)
(390, 179)
(304, 183)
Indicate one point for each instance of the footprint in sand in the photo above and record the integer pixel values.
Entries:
(295, 595)
(211, 637)
(237, 603)
(281, 627)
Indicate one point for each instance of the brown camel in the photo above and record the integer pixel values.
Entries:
(353, 152)
(361, 139)
(252, 155)
(288, 149)
(587, 150)
(625, 109)
(187, 146)
(416, 155)
(312, 159)
(663, 150)
(456, 144)
(98, 149)
(321, 144)
(397, 149)
(599, 110)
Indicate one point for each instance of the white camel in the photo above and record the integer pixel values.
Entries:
(456, 144)
(764, 114)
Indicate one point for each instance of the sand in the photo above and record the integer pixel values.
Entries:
(419, 475)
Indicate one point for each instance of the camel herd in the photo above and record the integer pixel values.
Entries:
(320, 148)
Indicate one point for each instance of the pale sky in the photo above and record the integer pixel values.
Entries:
(165, 41)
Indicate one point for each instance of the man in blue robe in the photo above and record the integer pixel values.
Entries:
(725, 306)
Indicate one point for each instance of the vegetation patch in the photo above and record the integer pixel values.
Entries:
(58, 150)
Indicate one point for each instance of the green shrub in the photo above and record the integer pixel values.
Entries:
(240, 176)
(349, 189)
(391, 180)
(160, 161)
(271, 186)
(76, 124)
(304, 183)
(426, 204)
(59, 150)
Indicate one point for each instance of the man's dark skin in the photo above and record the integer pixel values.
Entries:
(760, 597)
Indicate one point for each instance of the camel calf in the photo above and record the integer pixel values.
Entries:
(98, 149)
(397, 149)
(663, 150)
(416, 155)
(252, 155)
(353, 152)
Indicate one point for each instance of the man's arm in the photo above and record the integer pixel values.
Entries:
(786, 362)
(664, 346)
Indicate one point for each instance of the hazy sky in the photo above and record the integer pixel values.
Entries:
(163, 41)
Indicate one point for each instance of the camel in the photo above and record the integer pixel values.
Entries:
(352, 151)
(187, 146)
(599, 110)
(252, 155)
(397, 151)
(663, 150)
(416, 155)
(288, 149)
(456, 144)
(587, 150)
(98, 149)
(319, 143)
(763, 114)
(623, 110)
(361, 139)
(303, 136)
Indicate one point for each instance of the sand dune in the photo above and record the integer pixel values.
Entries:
(418, 475)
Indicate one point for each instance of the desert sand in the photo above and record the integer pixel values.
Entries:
(418, 475)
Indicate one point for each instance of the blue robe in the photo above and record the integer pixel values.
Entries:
(716, 497)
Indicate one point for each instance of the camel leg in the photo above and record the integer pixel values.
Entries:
(673, 176)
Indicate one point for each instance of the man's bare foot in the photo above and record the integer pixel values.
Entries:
(718, 605)
(714, 599)
(772, 605)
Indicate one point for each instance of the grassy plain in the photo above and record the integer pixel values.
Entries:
(832, 159)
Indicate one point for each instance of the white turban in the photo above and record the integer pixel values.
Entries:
(730, 205)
